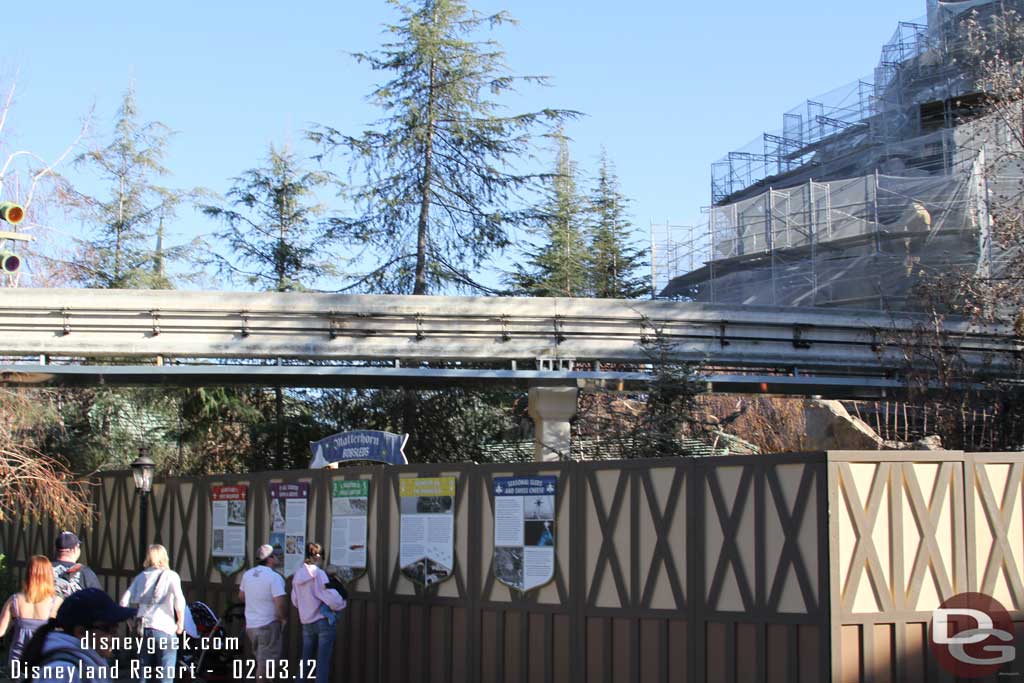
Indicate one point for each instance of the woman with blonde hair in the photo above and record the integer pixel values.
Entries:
(317, 604)
(26, 611)
(161, 610)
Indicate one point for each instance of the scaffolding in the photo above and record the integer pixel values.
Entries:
(675, 250)
(862, 193)
(916, 88)
(860, 242)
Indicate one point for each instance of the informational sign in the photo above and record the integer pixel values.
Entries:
(349, 506)
(427, 546)
(524, 531)
(382, 447)
(228, 548)
(288, 523)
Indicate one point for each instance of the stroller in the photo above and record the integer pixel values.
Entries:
(209, 638)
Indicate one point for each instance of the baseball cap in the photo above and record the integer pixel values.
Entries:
(67, 540)
(90, 606)
(264, 551)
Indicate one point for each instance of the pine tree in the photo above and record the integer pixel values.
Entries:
(558, 267)
(614, 259)
(276, 243)
(126, 249)
(437, 187)
(272, 230)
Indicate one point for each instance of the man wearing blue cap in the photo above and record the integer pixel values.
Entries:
(71, 647)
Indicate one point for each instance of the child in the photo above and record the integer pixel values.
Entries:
(333, 583)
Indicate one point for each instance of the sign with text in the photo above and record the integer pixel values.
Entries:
(382, 447)
(427, 544)
(288, 523)
(524, 530)
(229, 517)
(349, 508)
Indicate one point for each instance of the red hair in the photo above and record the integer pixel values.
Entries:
(38, 580)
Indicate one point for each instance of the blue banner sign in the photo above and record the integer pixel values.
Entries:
(525, 486)
(359, 445)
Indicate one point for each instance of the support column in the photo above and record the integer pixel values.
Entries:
(551, 409)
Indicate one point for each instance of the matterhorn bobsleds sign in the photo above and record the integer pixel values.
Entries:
(524, 531)
(359, 445)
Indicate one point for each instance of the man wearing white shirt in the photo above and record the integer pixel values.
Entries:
(266, 610)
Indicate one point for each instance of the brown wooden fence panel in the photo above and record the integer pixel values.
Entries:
(357, 651)
(425, 631)
(763, 569)
(532, 634)
(632, 538)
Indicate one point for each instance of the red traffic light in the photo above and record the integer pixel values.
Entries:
(12, 213)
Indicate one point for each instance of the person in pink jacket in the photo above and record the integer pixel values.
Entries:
(309, 594)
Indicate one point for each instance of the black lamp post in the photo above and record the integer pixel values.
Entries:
(142, 471)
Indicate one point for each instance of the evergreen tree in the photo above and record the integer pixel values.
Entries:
(614, 260)
(559, 266)
(437, 186)
(276, 243)
(452, 424)
(126, 249)
(272, 229)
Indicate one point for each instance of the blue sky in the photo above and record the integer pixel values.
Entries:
(668, 87)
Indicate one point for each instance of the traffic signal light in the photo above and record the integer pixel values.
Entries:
(12, 213)
(9, 262)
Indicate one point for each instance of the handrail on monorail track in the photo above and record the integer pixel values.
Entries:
(100, 326)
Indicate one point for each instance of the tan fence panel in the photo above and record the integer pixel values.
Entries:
(994, 484)
(898, 551)
(995, 516)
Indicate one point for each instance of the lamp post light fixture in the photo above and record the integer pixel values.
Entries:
(142, 471)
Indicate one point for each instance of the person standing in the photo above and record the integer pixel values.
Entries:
(26, 611)
(74, 645)
(266, 610)
(160, 603)
(316, 604)
(69, 575)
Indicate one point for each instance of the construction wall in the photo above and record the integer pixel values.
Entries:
(801, 567)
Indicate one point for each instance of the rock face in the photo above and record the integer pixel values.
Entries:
(831, 427)
(928, 443)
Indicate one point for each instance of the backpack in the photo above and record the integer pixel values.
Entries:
(67, 580)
